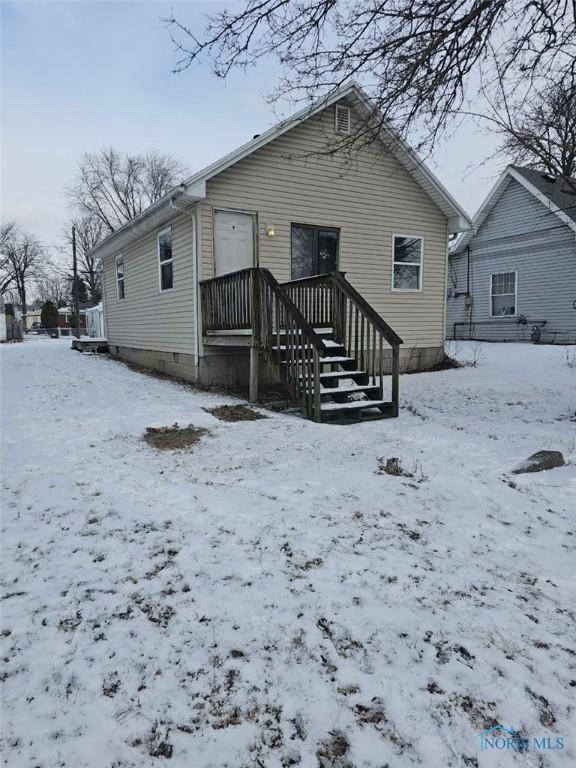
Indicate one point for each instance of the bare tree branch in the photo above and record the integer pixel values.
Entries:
(112, 188)
(89, 231)
(419, 60)
(22, 261)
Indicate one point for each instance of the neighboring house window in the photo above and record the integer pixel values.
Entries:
(314, 251)
(120, 277)
(165, 259)
(503, 287)
(407, 256)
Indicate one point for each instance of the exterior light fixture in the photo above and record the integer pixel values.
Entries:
(270, 231)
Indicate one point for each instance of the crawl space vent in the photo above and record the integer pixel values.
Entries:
(342, 116)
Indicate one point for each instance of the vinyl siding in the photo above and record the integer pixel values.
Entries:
(521, 235)
(149, 318)
(369, 199)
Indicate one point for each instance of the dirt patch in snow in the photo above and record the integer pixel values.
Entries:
(235, 413)
(332, 753)
(173, 438)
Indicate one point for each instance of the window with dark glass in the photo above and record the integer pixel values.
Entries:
(314, 251)
(165, 259)
(121, 291)
(503, 294)
(407, 263)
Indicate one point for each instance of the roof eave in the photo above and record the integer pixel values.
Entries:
(543, 198)
(156, 215)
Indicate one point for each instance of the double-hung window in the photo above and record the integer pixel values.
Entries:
(314, 251)
(503, 293)
(166, 272)
(120, 288)
(407, 268)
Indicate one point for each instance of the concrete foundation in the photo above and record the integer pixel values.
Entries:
(230, 366)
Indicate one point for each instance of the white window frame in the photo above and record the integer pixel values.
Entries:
(412, 236)
(515, 294)
(166, 230)
(120, 257)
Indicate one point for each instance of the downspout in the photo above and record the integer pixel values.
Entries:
(103, 284)
(197, 318)
(445, 292)
(468, 298)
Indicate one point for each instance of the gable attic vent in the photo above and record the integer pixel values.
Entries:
(342, 119)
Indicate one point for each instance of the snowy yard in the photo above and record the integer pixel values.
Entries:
(269, 598)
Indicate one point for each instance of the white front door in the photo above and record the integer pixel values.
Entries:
(233, 241)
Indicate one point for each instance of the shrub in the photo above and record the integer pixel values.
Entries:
(49, 315)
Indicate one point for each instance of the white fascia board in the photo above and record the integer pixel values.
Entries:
(457, 216)
(194, 188)
(543, 199)
(272, 133)
(139, 227)
(153, 217)
(482, 212)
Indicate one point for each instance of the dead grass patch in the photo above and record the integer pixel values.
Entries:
(235, 413)
(174, 438)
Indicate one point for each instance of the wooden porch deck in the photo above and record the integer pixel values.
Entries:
(326, 342)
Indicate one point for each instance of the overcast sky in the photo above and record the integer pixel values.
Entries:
(79, 76)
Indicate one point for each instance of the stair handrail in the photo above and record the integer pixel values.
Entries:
(304, 347)
(339, 279)
(356, 324)
(389, 333)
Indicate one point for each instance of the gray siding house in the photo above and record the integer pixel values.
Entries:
(284, 251)
(513, 277)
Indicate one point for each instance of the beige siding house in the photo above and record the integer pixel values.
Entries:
(282, 206)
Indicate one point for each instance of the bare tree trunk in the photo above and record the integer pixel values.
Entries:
(22, 293)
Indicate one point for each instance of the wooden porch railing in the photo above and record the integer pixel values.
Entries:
(289, 342)
(331, 301)
(253, 299)
(282, 319)
(227, 301)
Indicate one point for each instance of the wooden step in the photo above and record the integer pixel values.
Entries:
(337, 360)
(335, 349)
(342, 374)
(325, 334)
(357, 405)
(349, 390)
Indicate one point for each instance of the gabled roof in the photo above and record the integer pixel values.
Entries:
(194, 188)
(555, 192)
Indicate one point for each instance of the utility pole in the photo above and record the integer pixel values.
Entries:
(76, 286)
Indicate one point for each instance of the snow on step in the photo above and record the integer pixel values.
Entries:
(328, 343)
(322, 360)
(347, 389)
(336, 359)
(341, 374)
(357, 405)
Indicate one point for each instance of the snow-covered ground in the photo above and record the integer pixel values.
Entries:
(269, 598)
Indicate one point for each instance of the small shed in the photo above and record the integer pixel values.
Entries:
(95, 321)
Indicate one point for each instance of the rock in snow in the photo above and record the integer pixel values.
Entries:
(540, 461)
